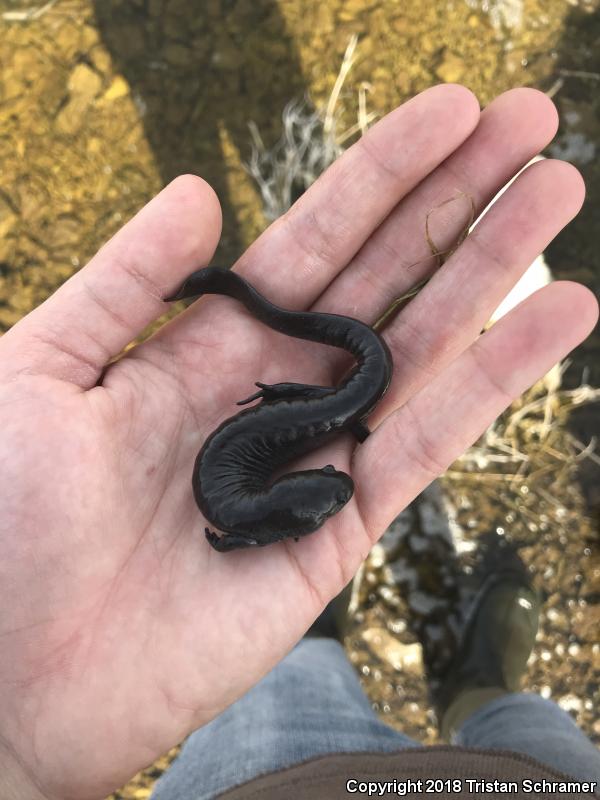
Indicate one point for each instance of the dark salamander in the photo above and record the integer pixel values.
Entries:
(232, 474)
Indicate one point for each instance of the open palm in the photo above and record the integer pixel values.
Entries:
(121, 628)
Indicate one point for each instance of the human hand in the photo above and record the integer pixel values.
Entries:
(122, 629)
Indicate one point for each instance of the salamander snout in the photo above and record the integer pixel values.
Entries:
(344, 494)
(331, 491)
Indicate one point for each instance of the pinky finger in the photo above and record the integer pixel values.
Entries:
(417, 442)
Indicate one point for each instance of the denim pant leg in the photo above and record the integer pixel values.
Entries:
(310, 704)
(529, 724)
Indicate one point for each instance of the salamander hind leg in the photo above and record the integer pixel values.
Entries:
(359, 430)
(285, 391)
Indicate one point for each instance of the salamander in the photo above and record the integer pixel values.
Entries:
(232, 478)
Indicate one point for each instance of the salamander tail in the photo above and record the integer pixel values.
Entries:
(194, 285)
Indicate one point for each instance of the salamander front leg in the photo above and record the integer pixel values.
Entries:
(286, 391)
(228, 541)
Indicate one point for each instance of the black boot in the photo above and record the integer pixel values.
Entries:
(498, 638)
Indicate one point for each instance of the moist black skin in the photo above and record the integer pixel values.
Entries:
(232, 475)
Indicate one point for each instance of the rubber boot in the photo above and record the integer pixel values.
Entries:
(498, 638)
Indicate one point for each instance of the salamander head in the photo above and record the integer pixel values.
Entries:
(303, 501)
(294, 505)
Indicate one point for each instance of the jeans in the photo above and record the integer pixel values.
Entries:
(312, 703)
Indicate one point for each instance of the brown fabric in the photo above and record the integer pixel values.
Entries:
(325, 778)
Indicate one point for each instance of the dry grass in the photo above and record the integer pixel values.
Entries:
(312, 139)
(523, 442)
